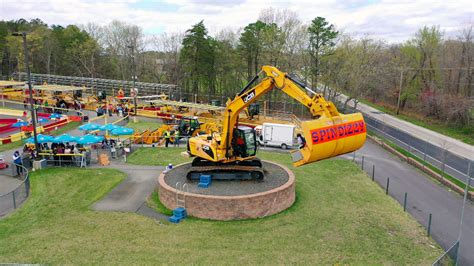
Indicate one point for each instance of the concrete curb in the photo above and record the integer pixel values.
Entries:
(423, 168)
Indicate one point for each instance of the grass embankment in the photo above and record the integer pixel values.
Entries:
(160, 156)
(59, 131)
(340, 217)
(464, 134)
(141, 126)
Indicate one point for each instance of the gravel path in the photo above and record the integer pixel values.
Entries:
(275, 176)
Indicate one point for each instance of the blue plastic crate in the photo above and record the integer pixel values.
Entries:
(174, 219)
(204, 181)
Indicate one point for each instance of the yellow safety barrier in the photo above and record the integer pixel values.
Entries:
(11, 112)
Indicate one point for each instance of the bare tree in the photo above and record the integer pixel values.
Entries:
(119, 41)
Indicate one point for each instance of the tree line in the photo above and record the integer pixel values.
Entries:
(428, 74)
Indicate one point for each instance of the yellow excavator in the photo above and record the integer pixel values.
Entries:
(231, 153)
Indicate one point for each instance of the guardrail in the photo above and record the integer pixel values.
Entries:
(13, 199)
(448, 162)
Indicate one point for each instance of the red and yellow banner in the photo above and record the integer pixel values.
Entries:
(330, 133)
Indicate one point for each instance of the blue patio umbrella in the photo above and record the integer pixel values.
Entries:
(41, 139)
(89, 126)
(89, 139)
(43, 120)
(108, 127)
(64, 138)
(122, 131)
(20, 124)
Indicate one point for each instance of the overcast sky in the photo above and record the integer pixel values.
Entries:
(392, 20)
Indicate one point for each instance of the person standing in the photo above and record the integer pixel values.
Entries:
(167, 138)
(46, 105)
(176, 138)
(18, 162)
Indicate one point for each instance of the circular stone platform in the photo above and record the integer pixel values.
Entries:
(230, 200)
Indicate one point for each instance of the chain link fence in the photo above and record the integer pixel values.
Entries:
(439, 157)
(426, 216)
(13, 199)
(449, 257)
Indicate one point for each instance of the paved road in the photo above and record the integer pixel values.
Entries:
(424, 197)
(455, 165)
(455, 146)
(434, 147)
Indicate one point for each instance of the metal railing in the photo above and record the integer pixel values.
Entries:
(440, 158)
(449, 257)
(414, 204)
(99, 84)
(73, 160)
(13, 199)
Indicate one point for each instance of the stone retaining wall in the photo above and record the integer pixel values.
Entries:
(232, 207)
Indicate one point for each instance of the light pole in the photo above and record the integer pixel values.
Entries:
(30, 89)
(400, 91)
(466, 192)
(134, 77)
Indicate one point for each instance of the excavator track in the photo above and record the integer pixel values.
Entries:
(244, 170)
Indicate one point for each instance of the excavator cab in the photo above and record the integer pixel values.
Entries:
(188, 125)
(244, 142)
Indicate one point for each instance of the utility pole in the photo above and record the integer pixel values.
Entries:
(134, 78)
(30, 89)
(400, 91)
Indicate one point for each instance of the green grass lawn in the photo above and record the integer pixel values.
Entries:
(465, 134)
(61, 130)
(160, 156)
(340, 217)
(141, 126)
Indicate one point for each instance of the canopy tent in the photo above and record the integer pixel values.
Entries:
(122, 131)
(108, 127)
(10, 83)
(64, 138)
(59, 88)
(89, 139)
(188, 104)
(40, 138)
(89, 126)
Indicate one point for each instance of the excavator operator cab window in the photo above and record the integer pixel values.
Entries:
(187, 126)
(194, 123)
(244, 142)
(254, 110)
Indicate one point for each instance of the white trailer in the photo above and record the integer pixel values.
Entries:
(276, 135)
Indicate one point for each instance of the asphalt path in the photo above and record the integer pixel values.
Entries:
(129, 195)
(425, 196)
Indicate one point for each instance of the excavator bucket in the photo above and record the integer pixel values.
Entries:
(330, 137)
